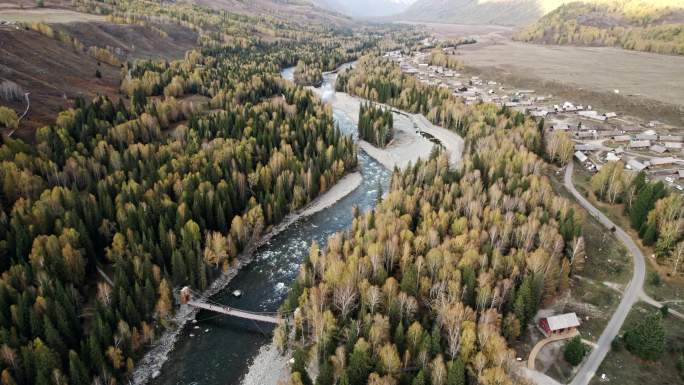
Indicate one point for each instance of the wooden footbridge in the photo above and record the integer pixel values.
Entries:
(186, 298)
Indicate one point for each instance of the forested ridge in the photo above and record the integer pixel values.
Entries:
(160, 188)
(432, 285)
(631, 24)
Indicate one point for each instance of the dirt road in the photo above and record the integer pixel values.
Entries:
(631, 294)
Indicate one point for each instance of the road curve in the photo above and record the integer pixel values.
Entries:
(630, 296)
(552, 338)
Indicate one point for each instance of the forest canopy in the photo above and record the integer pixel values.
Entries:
(433, 284)
(119, 202)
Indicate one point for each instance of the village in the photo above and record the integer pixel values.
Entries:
(600, 136)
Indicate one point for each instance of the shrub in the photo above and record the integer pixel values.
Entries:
(8, 118)
(654, 279)
(646, 339)
(574, 351)
(616, 344)
(664, 311)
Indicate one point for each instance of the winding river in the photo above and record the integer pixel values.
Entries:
(218, 350)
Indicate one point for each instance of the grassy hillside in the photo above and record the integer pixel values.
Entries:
(499, 12)
(304, 11)
(364, 8)
(651, 26)
(59, 54)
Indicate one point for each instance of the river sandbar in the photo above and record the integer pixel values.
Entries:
(407, 145)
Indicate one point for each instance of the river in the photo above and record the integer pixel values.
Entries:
(217, 350)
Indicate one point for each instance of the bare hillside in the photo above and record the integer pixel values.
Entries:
(52, 72)
(295, 10)
(55, 72)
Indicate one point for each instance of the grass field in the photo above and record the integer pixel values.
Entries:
(582, 181)
(621, 367)
(608, 260)
(657, 77)
(667, 291)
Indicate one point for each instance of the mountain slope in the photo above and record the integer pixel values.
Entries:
(365, 8)
(292, 10)
(656, 26)
(500, 12)
(62, 57)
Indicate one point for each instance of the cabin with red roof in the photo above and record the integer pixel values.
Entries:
(559, 324)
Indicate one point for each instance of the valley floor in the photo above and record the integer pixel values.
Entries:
(653, 76)
(651, 86)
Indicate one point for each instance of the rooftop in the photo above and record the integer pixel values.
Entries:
(563, 321)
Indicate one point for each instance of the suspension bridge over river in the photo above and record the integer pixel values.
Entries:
(186, 297)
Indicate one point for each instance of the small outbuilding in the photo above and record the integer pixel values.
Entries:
(587, 147)
(640, 144)
(672, 138)
(657, 148)
(635, 165)
(646, 136)
(666, 161)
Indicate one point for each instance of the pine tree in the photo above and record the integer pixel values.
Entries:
(326, 375)
(299, 366)
(78, 375)
(399, 336)
(419, 379)
(409, 282)
(359, 364)
(436, 340)
(523, 303)
(456, 373)
(574, 351)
